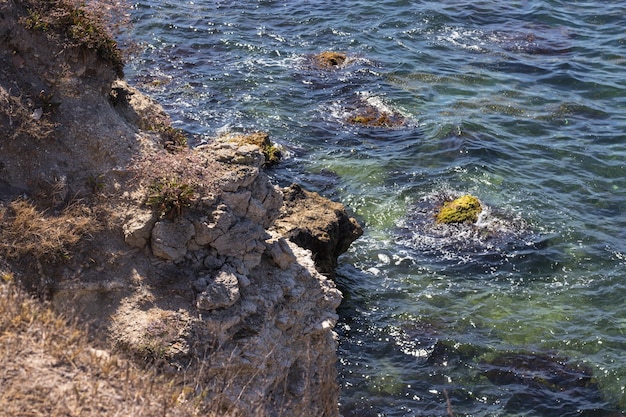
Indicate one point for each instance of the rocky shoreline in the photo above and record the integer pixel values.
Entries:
(191, 260)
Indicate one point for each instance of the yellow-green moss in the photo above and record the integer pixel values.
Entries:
(463, 209)
(271, 152)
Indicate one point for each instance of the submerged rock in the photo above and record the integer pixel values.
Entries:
(329, 59)
(485, 244)
(461, 210)
(375, 118)
(546, 384)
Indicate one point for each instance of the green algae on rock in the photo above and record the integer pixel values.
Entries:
(461, 210)
(271, 152)
(373, 117)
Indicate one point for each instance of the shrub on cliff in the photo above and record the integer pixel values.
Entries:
(176, 180)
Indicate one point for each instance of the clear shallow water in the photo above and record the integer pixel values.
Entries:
(521, 104)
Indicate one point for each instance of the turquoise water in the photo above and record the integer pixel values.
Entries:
(520, 103)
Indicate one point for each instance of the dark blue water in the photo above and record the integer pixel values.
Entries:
(522, 104)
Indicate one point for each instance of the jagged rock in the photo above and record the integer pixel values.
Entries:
(461, 210)
(244, 239)
(318, 224)
(280, 252)
(238, 202)
(138, 230)
(269, 197)
(207, 231)
(221, 292)
(137, 108)
(170, 238)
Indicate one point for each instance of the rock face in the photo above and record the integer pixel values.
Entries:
(261, 315)
(315, 223)
(211, 288)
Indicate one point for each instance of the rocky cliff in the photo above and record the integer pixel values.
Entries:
(174, 256)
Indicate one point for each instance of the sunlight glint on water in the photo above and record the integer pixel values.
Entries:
(521, 104)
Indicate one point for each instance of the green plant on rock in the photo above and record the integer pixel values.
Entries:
(461, 210)
(271, 152)
(168, 196)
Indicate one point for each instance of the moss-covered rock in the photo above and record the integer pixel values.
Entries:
(461, 210)
(271, 152)
(329, 59)
(373, 117)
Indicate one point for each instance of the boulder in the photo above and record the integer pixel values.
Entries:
(464, 209)
(318, 224)
(221, 292)
(170, 238)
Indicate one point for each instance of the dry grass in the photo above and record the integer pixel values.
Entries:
(19, 119)
(49, 368)
(77, 25)
(27, 232)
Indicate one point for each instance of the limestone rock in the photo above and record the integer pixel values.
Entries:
(138, 230)
(222, 292)
(206, 231)
(240, 239)
(170, 238)
(280, 253)
(318, 224)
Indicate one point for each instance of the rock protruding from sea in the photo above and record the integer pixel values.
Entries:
(318, 224)
(464, 209)
(329, 59)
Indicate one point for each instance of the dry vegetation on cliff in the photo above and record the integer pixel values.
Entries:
(29, 234)
(109, 218)
(78, 24)
(49, 367)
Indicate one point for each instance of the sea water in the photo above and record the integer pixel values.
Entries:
(520, 103)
